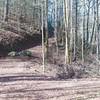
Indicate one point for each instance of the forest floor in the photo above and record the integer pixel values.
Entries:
(22, 78)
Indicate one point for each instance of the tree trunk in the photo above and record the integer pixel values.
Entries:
(97, 26)
(56, 39)
(43, 51)
(88, 17)
(46, 29)
(66, 31)
(6, 12)
(83, 33)
(76, 28)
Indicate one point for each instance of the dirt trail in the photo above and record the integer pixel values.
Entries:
(21, 79)
(50, 90)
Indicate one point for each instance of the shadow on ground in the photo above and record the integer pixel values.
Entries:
(26, 77)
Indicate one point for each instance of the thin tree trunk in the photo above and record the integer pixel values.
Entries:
(76, 28)
(66, 31)
(94, 23)
(56, 39)
(43, 51)
(18, 16)
(46, 29)
(83, 33)
(6, 10)
(71, 29)
(88, 17)
(97, 26)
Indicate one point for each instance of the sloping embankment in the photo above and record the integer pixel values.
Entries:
(10, 41)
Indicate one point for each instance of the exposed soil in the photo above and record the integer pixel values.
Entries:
(22, 78)
(25, 89)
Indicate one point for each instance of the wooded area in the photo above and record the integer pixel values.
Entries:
(49, 49)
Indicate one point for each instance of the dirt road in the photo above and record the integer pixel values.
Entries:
(18, 81)
(17, 89)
